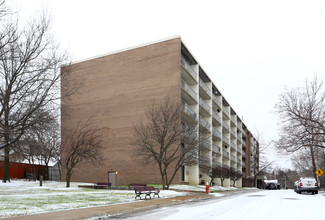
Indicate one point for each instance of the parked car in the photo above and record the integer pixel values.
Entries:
(307, 184)
(271, 186)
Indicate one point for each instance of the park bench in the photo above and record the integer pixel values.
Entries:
(145, 190)
(102, 185)
(132, 185)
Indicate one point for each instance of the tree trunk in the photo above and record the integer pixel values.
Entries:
(221, 181)
(211, 181)
(313, 155)
(6, 176)
(68, 177)
(313, 161)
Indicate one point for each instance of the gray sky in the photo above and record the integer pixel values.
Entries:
(250, 49)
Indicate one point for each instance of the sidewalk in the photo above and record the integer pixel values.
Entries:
(86, 213)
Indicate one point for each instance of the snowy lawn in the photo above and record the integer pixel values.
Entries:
(26, 197)
(21, 197)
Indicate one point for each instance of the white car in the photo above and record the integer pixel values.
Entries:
(295, 186)
(307, 184)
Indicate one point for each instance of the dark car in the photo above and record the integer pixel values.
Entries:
(271, 186)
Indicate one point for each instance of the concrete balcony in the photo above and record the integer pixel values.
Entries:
(189, 92)
(233, 119)
(188, 111)
(225, 139)
(232, 158)
(243, 153)
(244, 144)
(238, 161)
(233, 132)
(216, 133)
(205, 88)
(205, 124)
(216, 101)
(205, 147)
(216, 163)
(189, 69)
(239, 139)
(225, 112)
(243, 164)
(226, 126)
(233, 145)
(238, 150)
(225, 154)
(205, 107)
(188, 134)
(216, 149)
(216, 117)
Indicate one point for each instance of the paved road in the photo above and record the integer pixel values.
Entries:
(261, 205)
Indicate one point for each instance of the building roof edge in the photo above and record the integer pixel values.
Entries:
(125, 49)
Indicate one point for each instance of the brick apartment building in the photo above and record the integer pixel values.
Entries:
(117, 89)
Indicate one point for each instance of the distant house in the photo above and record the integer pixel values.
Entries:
(22, 169)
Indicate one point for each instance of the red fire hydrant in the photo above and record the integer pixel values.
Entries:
(207, 188)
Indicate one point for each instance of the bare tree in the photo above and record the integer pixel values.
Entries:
(49, 143)
(167, 139)
(234, 175)
(28, 148)
(302, 114)
(29, 79)
(261, 163)
(222, 172)
(216, 172)
(83, 144)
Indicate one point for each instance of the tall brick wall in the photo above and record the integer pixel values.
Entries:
(116, 91)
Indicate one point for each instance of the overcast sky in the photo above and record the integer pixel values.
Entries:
(250, 49)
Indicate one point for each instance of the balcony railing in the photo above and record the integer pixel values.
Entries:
(216, 117)
(233, 132)
(189, 90)
(244, 143)
(232, 145)
(225, 139)
(243, 164)
(225, 154)
(204, 123)
(205, 88)
(188, 68)
(225, 110)
(204, 106)
(216, 149)
(240, 128)
(239, 139)
(215, 99)
(188, 132)
(226, 126)
(216, 163)
(233, 119)
(238, 161)
(238, 149)
(243, 153)
(188, 110)
(216, 133)
(232, 157)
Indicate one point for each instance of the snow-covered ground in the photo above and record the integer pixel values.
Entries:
(26, 197)
(261, 205)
